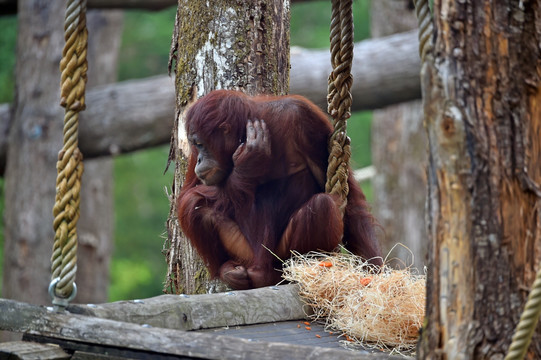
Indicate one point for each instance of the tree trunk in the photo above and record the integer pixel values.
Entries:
(35, 139)
(399, 155)
(95, 227)
(219, 45)
(481, 103)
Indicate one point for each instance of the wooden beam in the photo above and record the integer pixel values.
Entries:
(132, 4)
(385, 72)
(127, 116)
(194, 312)
(23, 350)
(8, 7)
(40, 323)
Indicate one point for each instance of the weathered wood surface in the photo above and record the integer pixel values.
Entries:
(192, 312)
(127, 116)
(95, 226)
(385, 72)
(399, 155)
(38, 321)
(22, 350)
(35, 138)
(481, 95)
(10, 6)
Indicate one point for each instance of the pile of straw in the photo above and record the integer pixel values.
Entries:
(382, 309)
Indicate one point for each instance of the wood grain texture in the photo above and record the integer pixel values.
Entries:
(96, 333)
(481, 102)
(193, 312)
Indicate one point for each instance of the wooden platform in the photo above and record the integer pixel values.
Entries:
(263, 323)
(289, 332)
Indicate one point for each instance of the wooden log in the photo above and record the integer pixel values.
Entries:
(25, 350)
(193, 312)
(10, 6)
(5, 124)
(40, 323)
(137, 114)
(385, 72)
(127, 116)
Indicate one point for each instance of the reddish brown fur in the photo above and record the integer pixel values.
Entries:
(275, 201)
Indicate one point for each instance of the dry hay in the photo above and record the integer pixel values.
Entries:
(382, 309)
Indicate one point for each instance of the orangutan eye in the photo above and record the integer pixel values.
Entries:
(197, 144)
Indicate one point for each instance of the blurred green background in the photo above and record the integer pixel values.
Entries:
(141, 205)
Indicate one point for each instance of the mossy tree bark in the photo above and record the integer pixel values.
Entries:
(241, 45)
(483, 116)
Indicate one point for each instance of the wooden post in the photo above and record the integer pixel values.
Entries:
(219, 45)
(481, 102)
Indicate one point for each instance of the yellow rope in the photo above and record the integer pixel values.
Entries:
(527, 324)
(339, 97)
(69, 166)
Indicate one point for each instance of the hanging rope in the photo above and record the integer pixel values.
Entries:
(527, 324)
(69, 166)
(424, 19)
(339, 97)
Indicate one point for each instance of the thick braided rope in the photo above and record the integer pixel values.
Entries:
(69, 166)
(424, 19)
(339, 97)
(527, 324)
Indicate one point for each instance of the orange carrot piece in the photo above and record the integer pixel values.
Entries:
(365, 281)
(326, 263)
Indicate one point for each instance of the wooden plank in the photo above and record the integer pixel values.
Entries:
(39, 321)
(24, 350)
(193, 312)
(291, 332)
(85, 351)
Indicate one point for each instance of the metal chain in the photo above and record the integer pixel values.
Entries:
(339, 97)
(69, 166)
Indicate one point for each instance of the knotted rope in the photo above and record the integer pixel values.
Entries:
(339, 97)
(69, 166)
